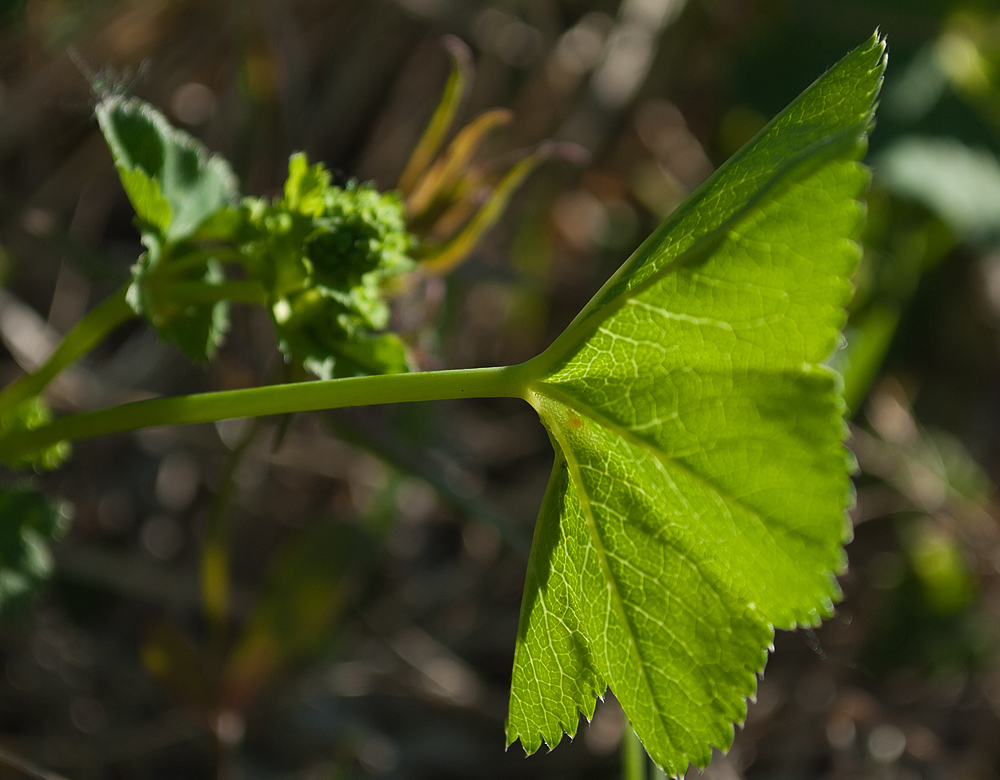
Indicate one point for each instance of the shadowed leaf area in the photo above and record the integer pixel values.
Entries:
(175, 186)
(171, 180)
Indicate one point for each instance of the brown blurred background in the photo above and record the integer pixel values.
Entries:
(378, 554)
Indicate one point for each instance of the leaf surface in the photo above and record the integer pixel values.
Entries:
(324, 253)
(174, 184)
(699, 490)
(197, 328)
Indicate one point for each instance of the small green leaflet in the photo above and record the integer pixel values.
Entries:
(700, 483)
(174, 184)
(175, 187)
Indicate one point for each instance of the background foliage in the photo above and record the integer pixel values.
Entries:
(378, 555)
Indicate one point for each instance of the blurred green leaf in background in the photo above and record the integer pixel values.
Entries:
(29, 522)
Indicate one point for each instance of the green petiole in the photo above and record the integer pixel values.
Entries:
(106, 317)
(633, 755)
(83, 337)
(506, 381)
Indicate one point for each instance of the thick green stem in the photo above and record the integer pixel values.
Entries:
(507, 381)
(633, 755)
(83, 337)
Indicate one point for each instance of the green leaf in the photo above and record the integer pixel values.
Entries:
(306, 186)
(361, 355)
(176, 188)
(327, 336)
(323, 253)
(174, 184)
(198, 328)
(699, 490)
(29, 520)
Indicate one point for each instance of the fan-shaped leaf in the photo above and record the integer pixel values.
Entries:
(699, 491)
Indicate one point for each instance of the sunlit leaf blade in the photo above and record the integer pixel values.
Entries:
(699, 493)
(306, 186)
(554, 678)
(174, 184)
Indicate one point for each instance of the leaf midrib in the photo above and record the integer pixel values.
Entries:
(719, 586)
(598, 546)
